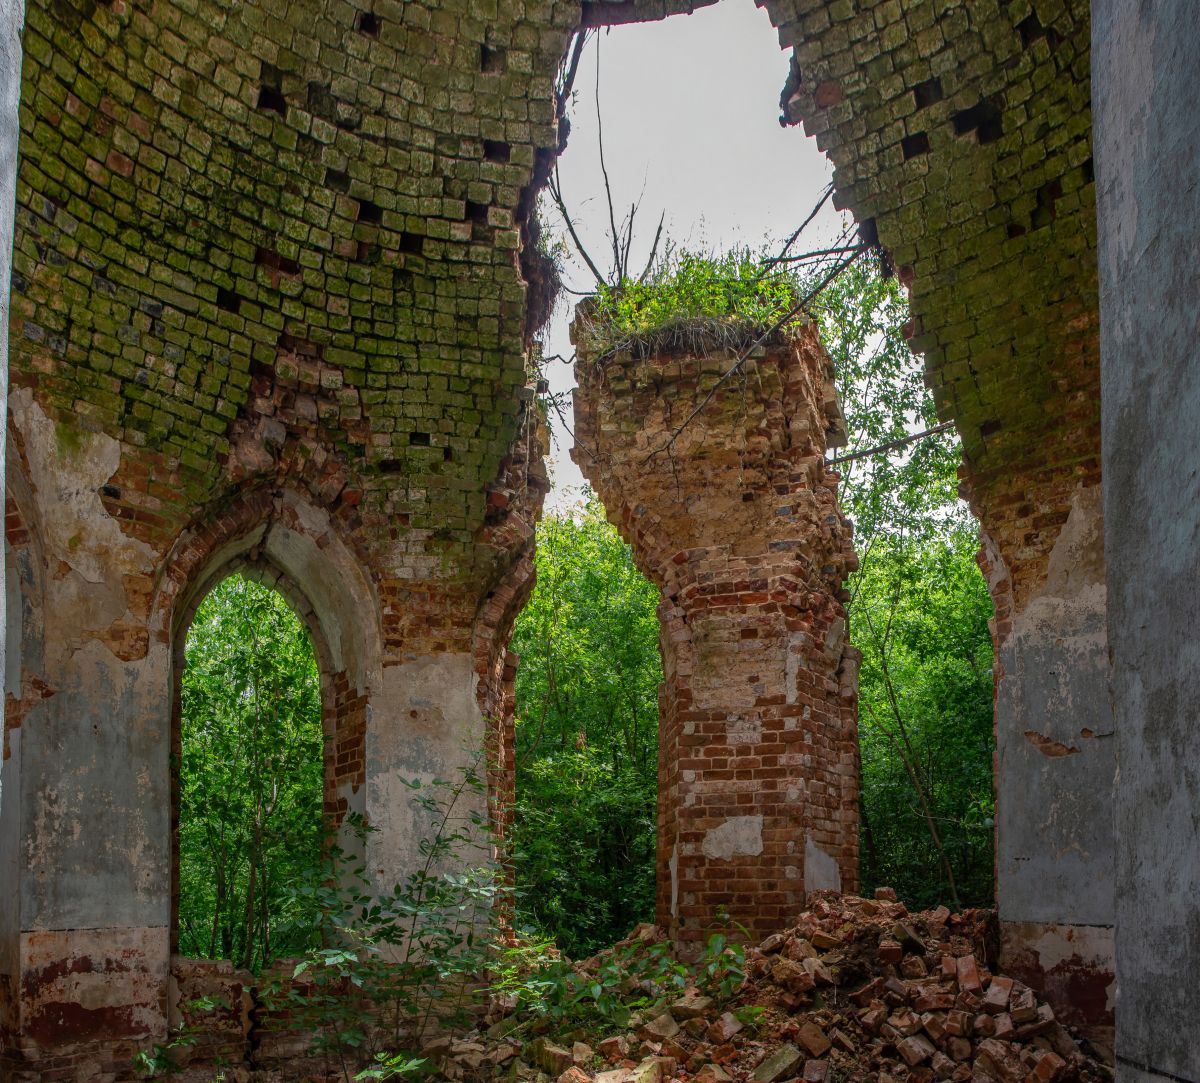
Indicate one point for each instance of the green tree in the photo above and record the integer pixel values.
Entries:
(920, 617)
(918, 611)
(250, 776)
(587, 736)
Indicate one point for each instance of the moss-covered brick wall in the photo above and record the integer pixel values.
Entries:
(317, 193)
(961, 133)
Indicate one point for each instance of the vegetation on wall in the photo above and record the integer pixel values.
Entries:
(250, 777)
(692, 299)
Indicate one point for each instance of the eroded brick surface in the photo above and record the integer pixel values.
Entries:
(267, 269)
(737, 522)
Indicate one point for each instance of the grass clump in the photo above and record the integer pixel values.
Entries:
(691, 301)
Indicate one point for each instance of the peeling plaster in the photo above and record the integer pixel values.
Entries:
(821, 872)
(673, 866)
(1054, 807)
(739, 836)
(1047, 746)
(76, 528)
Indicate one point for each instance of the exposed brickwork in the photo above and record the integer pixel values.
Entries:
(220, 1031)
(263, 248)
(345, 721)
(239, 205)
(514, 506)
(737, 523)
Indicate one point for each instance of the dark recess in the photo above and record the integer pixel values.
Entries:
(411, 244)
(369, 212)
(420, 439)
(368, 23)
(228, 301)
(269, 258)
(927, 93)
(1030, 29)
(492, 61)
(915, 145)
(984, 119)
(271, 97)
(496, 151)
(1047, 195)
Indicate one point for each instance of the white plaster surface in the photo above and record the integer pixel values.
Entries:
(739, 836)
(424, 724)
(821, 871)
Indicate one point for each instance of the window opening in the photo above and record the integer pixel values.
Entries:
(251, 776)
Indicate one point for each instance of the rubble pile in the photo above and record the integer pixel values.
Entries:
(859, 989)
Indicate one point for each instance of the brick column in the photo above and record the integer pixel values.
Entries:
(736, 520)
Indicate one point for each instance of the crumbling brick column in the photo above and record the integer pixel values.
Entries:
(734, 516)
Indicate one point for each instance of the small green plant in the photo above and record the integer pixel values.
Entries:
(397, 965)
(391, 1065)
(632, 977)
(161, 1061)
(690, 298)
(722, 966)
(749, 1015)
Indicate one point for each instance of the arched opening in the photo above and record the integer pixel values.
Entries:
(586, 740)
(254, 768)
(757, 786)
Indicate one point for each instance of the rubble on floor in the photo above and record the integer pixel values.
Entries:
(859, 989)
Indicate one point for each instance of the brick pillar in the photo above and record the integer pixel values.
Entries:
(737, 523)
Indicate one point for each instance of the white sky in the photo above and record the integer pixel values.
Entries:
(690, 108)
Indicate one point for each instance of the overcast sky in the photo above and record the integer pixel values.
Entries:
(691, 125)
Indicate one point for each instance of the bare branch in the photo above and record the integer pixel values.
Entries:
(816, 253)
(653, 248)
(803, 225)
(614, 235)
(904, 441)
(555, 190)
(568, 79)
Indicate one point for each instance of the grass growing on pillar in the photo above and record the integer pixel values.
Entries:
(695, 301)
(251, 776)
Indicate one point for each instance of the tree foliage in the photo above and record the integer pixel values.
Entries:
(925, 720)
(919, 611)
(250, 776)
(587, 736)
